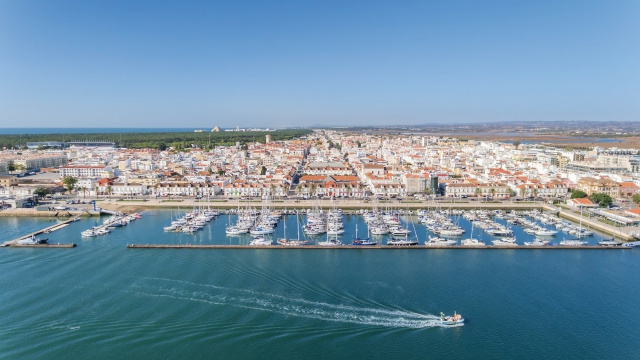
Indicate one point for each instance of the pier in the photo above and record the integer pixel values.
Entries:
(49, 229)
(382, 247)
(51, 246)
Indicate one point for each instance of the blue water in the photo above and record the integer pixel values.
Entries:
(101, 300)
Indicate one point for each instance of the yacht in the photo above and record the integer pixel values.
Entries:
(362, 242)
(610, 242)
(438, 241)
(573, 242)
(260, 241)
(536, 242)
(510, 241)
(545, 232)
(331, 242)
(32, 241)
(401, 242)
(472, 242)
(234, 230)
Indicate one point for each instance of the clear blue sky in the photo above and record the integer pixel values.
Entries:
(291, 63)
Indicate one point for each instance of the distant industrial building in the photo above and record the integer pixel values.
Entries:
(46, 144)
(108, 144)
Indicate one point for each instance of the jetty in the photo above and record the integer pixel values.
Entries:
(48, 229)
(381, 247)
(49, 246)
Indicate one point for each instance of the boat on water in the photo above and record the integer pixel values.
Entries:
(401, 242)
(505, 241)
(610, 242)
(292, 242)
(260, 241)
(573, 242)
(536, 242)
(545, 232)
(438, 241)
(362, 242)
(472, 242)
(330, 242)
(454, 320)
(32, 240)
(234, 230)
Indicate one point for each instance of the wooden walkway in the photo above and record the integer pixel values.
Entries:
(385, 247)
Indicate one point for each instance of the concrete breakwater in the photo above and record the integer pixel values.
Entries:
(55, 213)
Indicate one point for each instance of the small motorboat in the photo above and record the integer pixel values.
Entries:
(455, 320)
(32, 241)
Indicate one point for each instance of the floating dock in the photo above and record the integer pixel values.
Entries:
(46, 230)
(383, 247)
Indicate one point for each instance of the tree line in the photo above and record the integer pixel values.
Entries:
(157, 140)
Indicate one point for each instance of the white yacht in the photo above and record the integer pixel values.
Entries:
(536, 242)
(260, 241)
(505, 241)
(573, 242)
(472, 242)
(401, 242)
(438, 241)
(610, 242)
(545, 232)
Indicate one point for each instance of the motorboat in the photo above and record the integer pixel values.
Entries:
(455, 320)
(234, 230)
(32, 240)
(331, 242)
(545, 232)
(438, 241)
(472, 242)
(260, 241)
(510, 241)
(401, 242)
(573, 242)
(536, 242)
(610, 242)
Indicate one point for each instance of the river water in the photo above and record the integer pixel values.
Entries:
(101, 300)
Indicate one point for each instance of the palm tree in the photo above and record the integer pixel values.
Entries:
(493, 192)
(84, 191)
(109, 191)
(535, 192)
(478, 193)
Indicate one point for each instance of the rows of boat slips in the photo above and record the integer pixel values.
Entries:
(109, 224)
(192, 221)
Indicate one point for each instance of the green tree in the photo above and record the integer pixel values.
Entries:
(41, 191)
(636, 199)
(578, 194)
(12, 166)
(84, 191)
(516, 144)
(478, 193)
(263, 171)
(109, 191)
(220, 172)
(162, 146)
(603, 200)
(69, 182)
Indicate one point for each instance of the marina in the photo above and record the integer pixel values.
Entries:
(386, 247)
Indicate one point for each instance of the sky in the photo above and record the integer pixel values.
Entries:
(91, 63)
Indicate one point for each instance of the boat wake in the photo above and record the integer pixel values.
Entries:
(248, 299)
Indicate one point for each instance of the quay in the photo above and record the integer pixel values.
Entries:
(383, 247)
(50, 246)
(46, 230)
